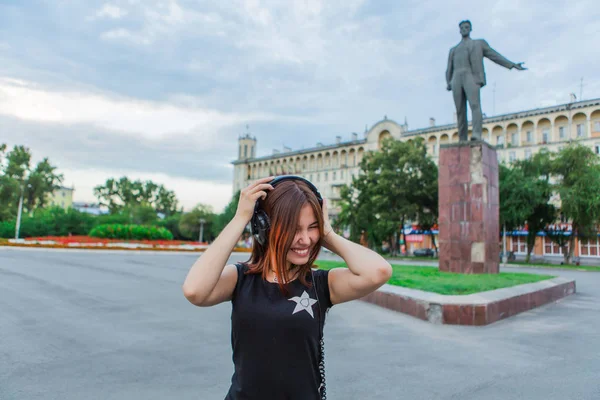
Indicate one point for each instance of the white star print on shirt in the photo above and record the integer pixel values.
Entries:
(303, 302)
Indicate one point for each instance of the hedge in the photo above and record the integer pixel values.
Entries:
(135, 232)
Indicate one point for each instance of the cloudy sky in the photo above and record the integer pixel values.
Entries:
(161, 89)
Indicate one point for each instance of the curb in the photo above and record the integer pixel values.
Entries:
(121, 248)
(476, 309)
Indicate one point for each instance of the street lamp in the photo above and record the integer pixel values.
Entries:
(20, 210)
(202, 221)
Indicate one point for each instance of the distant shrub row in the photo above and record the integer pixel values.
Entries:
(132, 232)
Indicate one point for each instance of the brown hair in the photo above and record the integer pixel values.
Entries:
(283, 205)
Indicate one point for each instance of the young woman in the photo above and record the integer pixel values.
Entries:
(278, 301)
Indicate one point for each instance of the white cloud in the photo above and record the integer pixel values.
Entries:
(148, 119)
(111, 11)
(126, 35)
(163, 20)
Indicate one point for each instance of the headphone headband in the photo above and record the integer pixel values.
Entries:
(284, 178)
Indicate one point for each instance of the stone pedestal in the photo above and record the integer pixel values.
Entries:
(469, 228)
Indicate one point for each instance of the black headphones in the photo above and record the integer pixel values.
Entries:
(260, 222)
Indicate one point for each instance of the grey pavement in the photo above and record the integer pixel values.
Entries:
(115, 325)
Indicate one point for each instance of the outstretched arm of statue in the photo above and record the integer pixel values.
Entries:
(499, 58)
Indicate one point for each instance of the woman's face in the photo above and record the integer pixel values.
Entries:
(307, 236)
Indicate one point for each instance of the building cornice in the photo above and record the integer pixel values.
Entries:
(300, 152)
(506, 117)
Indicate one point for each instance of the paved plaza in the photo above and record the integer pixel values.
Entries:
(115, 325)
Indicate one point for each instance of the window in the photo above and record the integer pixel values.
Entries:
(597, 148)
(326, 176)
(527, 154)
(245, 150)
(580, 130)
(310, 178)
(519, 244)
(334, 175)
(512, 156)
(435, 151)
(545, 135)
(500, 140)
(589, 248)
(529, 137)
(561, 132)
(514, 139)
(551, 248)
(342, 174)
(597, 126)
(318, 177)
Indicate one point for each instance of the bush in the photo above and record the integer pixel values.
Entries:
(7, 229)
(52, 221)
(132, 232)
(172, 224)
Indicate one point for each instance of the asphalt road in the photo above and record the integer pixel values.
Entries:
(115, 325)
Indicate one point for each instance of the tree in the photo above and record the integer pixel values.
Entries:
(395, 185)
(17, 176)
(356, 213)
(543, 212)
(577, 172)
(525, 193)
(142, 214)
(516, 193)
(117, 194)
(189, 224)
(226, 216)
(42, 181)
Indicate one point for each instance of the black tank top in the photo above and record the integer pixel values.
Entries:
(275, 338)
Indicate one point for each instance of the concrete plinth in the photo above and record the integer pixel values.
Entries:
(468, 220)
(474, 309)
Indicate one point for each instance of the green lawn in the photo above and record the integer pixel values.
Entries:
(430, 279)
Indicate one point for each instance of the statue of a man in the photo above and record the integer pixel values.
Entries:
(465, 75)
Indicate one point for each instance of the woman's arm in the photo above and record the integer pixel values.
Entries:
(209, 282)
(366, 272)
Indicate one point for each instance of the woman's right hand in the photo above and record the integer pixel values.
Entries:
(250, 195)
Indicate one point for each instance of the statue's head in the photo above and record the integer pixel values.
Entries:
(465, 28)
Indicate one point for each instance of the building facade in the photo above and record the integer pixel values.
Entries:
(516, 136)
(62, 197)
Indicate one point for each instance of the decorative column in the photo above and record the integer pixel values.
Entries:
(589, 127)
(469, 228)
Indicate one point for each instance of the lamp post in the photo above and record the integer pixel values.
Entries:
(202, 221)
(20, 210)
(504, 256)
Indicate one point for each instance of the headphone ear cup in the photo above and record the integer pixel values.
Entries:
(260, 226)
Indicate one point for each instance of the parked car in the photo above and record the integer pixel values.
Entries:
(424, 253)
